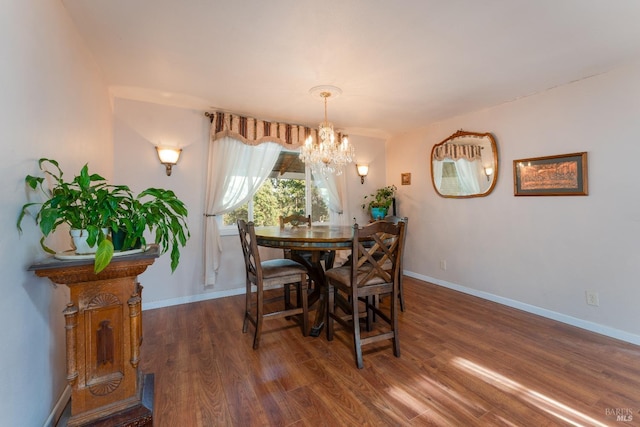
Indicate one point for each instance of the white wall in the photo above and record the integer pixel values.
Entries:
(53, 104)
(539, 253)
(372, 152)
(138, 127)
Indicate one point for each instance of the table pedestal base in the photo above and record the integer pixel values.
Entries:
(321, 242)
(318, 324)
(316, 330)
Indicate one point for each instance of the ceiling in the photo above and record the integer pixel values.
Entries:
(400, 64)
(287, 162)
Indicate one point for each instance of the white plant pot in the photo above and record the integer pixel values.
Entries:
(79, 238)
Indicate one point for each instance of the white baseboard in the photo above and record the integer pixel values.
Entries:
(193, 298)
(573, 321)
(58, 409)
(583, 324)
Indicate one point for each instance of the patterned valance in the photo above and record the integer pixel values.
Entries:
(458, 151)
(253, 131)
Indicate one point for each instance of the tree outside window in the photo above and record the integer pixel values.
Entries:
(283, 194)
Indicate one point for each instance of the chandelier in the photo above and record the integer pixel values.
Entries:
(326, 155)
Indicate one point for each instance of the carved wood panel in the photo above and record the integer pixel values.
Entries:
(103, 333)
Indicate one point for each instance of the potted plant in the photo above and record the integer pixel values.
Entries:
(89, 203)
(378, 202)
(86, 203)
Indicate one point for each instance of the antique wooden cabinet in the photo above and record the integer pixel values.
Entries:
(103, 323)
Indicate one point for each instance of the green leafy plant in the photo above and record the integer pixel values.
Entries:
(85, 203)
(382, 198)
(88, 202)
(159, 211)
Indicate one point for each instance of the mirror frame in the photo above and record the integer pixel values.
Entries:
(494, 149)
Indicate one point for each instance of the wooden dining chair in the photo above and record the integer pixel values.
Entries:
(266, 275)
(366, 276)
(327, 257)
(375, 299)
(295, 220)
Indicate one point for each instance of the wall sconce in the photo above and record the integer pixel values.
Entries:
(488, 171)
(363, 170)
(168, 157)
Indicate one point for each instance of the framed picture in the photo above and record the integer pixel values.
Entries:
(561, 175)
(405, 179)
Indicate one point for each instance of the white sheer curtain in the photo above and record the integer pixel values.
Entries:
(336, 187)
(339, 214)
(468, 176)
(437, 166)
(236, 171)
(343, 216)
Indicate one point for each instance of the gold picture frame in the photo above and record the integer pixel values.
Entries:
(405, 178)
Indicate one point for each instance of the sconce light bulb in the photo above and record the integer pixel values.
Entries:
(363, 170)
(488, 171)
(168, 156)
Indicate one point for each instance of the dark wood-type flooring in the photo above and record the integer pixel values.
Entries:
(465, 362)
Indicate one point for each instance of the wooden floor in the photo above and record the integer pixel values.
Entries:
(465, 362)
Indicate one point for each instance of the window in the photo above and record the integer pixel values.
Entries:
(289, 189)
(450, 180)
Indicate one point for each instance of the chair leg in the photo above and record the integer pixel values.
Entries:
(259, 318)
(330, 311)
(330, 259)
(394, 324)
(371, 301)
(247, 309)
(401, 294)
(355, 320)
(302, 298)
(245, 324)
(299, 295)
(287, 297)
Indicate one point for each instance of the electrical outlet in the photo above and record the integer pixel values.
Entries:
(443, 265)
(592, 298)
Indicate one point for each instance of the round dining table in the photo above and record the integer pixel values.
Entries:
(317, 240)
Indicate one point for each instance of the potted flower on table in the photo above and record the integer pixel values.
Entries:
(378, 203)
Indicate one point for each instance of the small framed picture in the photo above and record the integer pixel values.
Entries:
(405, 178)
(562, 175)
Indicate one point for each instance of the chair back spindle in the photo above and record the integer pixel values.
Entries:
(295, 220)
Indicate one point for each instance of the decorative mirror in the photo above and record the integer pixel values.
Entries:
(465, 165)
